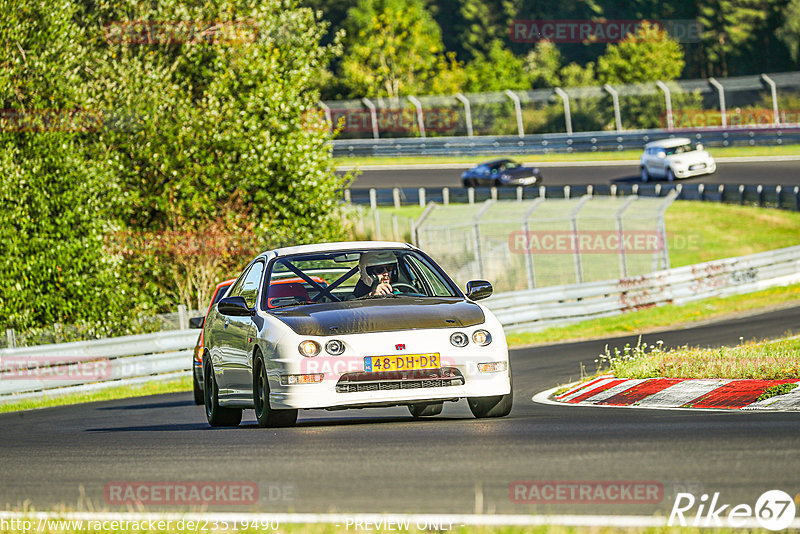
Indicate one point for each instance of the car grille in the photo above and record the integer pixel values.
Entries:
(359, 382)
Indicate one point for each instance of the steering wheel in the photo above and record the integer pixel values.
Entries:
(412, 289)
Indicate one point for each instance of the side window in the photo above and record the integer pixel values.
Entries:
(250, 284)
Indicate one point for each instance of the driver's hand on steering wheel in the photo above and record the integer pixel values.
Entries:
(384, 288)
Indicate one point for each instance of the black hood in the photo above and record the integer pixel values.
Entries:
(380, 315)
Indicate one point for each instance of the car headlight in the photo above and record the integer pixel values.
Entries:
(459, 339)
(334, 347)
(481, 337)
(309, 348)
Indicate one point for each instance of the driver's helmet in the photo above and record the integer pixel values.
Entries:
(373, 261)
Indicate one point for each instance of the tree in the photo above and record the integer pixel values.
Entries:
(645, 56)
(498, 70)
(542, 65)
(728, 27)
(394, 48)
(789, 32)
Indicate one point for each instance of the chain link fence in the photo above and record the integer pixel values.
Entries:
(764, 100)
(547, 242)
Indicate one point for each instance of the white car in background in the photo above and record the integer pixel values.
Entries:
(675, 158)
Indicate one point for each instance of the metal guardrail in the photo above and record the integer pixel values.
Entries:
(537, 309)
(58, 368)
(84, 366)
(549, 143)
(776, 196)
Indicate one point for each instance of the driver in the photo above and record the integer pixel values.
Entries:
(378, 269)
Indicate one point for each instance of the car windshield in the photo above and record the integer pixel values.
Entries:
(333, 276)
(678, 149)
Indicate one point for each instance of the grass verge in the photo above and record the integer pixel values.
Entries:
(661, 317)
(765, 360)
(119, 392)
(717, 152)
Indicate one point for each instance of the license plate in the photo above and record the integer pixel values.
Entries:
(407, 362)
(697, 166)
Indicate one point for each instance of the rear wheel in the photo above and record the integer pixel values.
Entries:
(216, 414)
(425, 410)
(265, 415)
(670, 176)
(645, 174)
(494, 406)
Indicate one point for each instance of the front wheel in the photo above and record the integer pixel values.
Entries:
(494, 406)
(670, 176)
(425, 410)
(645, 174)
(216, 414)
(265, 415)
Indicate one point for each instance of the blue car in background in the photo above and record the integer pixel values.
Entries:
(501, 172)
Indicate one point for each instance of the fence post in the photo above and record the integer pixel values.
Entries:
(721, 191)
(446, 196)
(701, 190)
(467, 112)
(615, 100)
(542, 191)
(658, 190)
(667, 101)
(11, 337)
(422, 197)
(760, 191)
(395, 228)
(327, 112)
(519, 193)
(376, 216)
(613, 190)
(635, 189)
(396, 197)
(347, 196)
(721, 92)
(518, 109)
(776, 117)
(567, 190)
(590, 190)
(493, 192)
(741, 194)
(420, 118)
(796, 198)
(183, 317)
(373, 114)
(778, 192)
(373, 198)
(567, 115)
(471, 195)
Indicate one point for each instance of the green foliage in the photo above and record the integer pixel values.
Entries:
(542, 65)
(394, 48)
(497, 70)
(196, 134)
(773, 391)
(646, 56)
(789, 32)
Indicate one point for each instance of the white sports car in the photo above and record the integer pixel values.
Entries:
(351, 325)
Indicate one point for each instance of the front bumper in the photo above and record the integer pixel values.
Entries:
(346, 384)
(688, 172)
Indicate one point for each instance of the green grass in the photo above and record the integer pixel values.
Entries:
(766, 360)
(669, 316)
(705, 231)
(774, 391)
(739, 151)
(119, 392)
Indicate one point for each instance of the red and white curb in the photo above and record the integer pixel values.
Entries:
(674, 393)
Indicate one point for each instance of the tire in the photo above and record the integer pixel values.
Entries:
(199, 397)
(670, 175)
(425, 410)
(494, 406)
(265, 415)
(645, 174)
(216, 414)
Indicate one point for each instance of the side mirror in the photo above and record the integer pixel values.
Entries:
(235, 307)
(196, 322)
(699, 146)
(478, 289)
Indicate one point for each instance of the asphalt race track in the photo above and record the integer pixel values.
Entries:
(765, 173)
(383, 461)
